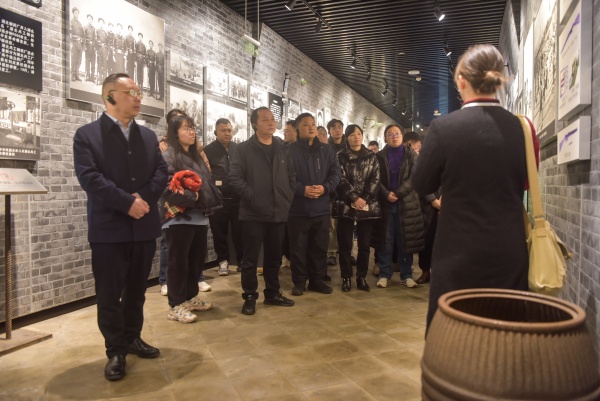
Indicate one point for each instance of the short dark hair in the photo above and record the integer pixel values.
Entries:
(374, 143)
(254, 116)
(112, 78)
(291, 122)
(302, 117)
(391, 126)
(411, 136)
(351, 128)
(332, 122)
(172, 137)
(221, 121)
(175, 113)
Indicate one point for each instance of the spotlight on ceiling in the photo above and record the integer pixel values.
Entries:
(319, 26)
(395, 102)
(437, 12)
(404, 111)
(290, 5)
(353, 65)
(369, 76)
(384, 92)
(447, 48)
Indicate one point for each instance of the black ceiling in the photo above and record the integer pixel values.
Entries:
(378, 30)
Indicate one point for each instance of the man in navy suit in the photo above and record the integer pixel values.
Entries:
(120, 167)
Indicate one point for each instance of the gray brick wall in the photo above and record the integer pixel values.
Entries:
(52, 263)
(570, 193)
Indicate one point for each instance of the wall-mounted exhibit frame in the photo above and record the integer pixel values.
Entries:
(20, 125)
(238, 89)
(573, 142)
(544, 70)
(320, 118)
(94, 52)
(238, 118)
(191, 103)
(527, 68)
(20, 50)
(185, 72)
(258, 98)
(293, 109)
(215, 82)
(326, 116)
(575, 62)
(276, 107)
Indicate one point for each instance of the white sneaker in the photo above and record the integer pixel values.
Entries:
(181, 314)
(197, 304)
(204, 286)
(383, 282)
(223, 268)
(163, 289)
(409, 282)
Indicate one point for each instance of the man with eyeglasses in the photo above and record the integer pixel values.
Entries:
(120, 167)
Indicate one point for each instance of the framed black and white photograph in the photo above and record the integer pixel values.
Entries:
(20, 50)
(293, 109)
(326, 116)
(238, 89)
(258, 98)
(238, 118)
(216, 82)
(320, 118)
(20, 126)
(190, 102)
(102, 42)
(186, 72)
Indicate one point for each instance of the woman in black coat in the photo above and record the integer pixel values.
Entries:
(356, 201)
(477, 156)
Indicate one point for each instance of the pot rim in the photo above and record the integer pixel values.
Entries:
(576, 313)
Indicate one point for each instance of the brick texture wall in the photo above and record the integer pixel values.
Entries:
(52, 263)
(570, 193)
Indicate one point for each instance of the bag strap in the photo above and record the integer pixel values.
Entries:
(532, 173)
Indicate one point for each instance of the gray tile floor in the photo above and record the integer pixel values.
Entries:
(343, 346)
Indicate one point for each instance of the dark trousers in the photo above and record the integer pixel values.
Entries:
(219, 225)
(76, 52)
(425, 254)
(310, 236)
(121, 271)
(152, 79)
(131, 65)
(164, 259)
(345, 232)
(139, 77)
(187, 252)
(90, 63)
(161, 83)
(270, 236)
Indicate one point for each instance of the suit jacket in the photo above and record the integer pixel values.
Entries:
(110, 169)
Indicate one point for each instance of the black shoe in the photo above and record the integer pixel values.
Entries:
(346, 285)
(249, 307)
(361, 284)
(425, 277)
(319, 286)
(352, 260)
(326, 278)
(115, 368)
(279, 300)
(298, 289)
(331, 260)
(141, 349)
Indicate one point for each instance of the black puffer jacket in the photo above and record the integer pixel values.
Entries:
(219, 159)
(411, 216)
(266, 188)
(209, 197)
(360, 179)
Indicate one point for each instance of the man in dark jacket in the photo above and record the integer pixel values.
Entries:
(338, 141)
(262, 174)
(219, 154)
(317, 175)
(121, 169)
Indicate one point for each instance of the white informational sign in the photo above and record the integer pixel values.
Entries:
(575, 62)
(574, 141)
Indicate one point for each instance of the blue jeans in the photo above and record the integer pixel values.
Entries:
(393, 237)
(164, 259)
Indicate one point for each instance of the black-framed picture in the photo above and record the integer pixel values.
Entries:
(293, 109)
(20, 50)
(35, 3)
(238, 118)
(216, 82)
(102, 42)
(20, 125)
(258, 98)
(238, 89)
(186, 72)
(190, 102)
(276, 107)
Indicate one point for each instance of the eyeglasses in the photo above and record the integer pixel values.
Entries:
(131, 92)
(188, 129)
(396, 135)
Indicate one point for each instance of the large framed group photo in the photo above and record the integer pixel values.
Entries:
(102, 42)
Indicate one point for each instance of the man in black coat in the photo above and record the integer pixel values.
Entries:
(219, 155)
(121, 169)
(262, 174)
(317, 175)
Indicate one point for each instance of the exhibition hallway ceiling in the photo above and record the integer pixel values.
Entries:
(389, 38)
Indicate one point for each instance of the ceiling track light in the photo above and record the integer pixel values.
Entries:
(368, 76)
(353, 65)
(437, 12)
(319, 26)
(384, 92)
(395, 102)
(290, 5)
(447, 49)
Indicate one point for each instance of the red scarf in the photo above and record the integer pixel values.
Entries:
(182, 180)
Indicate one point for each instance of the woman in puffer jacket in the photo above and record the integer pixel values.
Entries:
(356, 201)
(186, 221)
